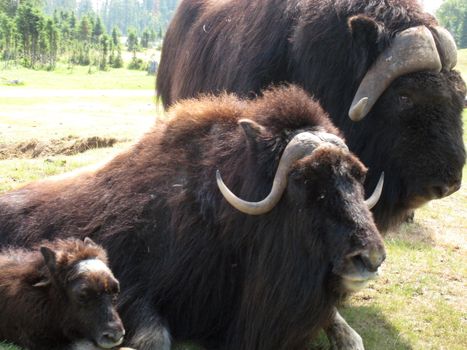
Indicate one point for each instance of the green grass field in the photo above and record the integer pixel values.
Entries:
(420, 302)
(77, 78)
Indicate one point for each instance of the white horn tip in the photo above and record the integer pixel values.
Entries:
(357, 111)
(374, 198)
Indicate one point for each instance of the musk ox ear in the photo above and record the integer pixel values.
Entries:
(89, 242)
(50, 259)
(252, 129)
(365, 31)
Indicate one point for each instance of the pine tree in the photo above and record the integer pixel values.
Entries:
(132, 41)
(53, 38)
(29, 23)
(145, 38)
(97, 30)
(6, 37)
(84, 29)
(105, 47)
(116, 36)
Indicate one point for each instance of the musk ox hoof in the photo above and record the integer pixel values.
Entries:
(410, 217)
(342, 336)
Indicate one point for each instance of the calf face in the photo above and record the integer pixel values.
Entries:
(91, 291)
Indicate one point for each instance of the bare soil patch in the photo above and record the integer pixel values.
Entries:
(64, 146)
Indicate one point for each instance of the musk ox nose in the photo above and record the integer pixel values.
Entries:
(112, 336)
(370, 259)
(444, 190)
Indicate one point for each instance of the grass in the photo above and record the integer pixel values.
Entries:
(23, 117)
(77, 78)
(462, 63)
(419, 303)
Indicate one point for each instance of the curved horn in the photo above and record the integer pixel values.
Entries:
(412, 50)
(447, 48)
(373, 199)
(333, 139)
(301, 145)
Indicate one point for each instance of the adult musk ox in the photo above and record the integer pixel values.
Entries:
(59, 296)
(385, 63)
(264, 276)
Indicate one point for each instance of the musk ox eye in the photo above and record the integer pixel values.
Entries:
(84, 296)
(405, 101)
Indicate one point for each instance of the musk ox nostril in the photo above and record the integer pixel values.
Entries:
(370, 260)
(440, 191)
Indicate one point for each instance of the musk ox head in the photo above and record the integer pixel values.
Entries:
(318, 185)
(79, 270)
(408, 107)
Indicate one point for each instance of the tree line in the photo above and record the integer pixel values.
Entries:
(122, 14)
(32, 37)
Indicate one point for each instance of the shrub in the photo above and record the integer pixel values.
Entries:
(137, 64)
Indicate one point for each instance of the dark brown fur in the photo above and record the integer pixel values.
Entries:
(188, 262)
(37, 297)
(413, 133)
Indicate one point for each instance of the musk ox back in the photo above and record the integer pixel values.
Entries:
(58, 297)
(191, 266)
(385, 63)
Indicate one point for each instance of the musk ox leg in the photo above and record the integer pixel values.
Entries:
(410, 217)
(151, 337)
(149, 331)
(342, 336)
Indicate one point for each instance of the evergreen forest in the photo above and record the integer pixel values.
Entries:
(39, 33)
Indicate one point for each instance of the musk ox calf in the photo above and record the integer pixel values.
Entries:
(263, 275)
(59, 297)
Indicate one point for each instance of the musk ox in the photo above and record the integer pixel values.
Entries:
(59, 296)
(385, 63)
(263, 275)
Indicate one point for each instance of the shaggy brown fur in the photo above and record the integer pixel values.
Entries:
(41, 295)
(413, 133)
(192, 267)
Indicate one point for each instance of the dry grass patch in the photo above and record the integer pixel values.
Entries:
(67, 146)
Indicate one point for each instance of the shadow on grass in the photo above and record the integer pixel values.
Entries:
(377, 332)
(416, 234)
